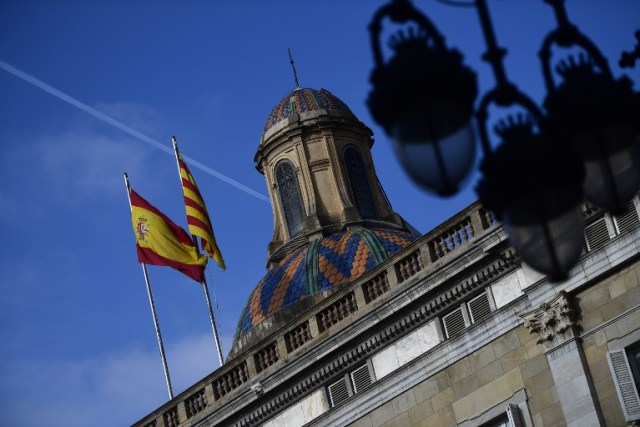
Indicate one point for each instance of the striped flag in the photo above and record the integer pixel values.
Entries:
(159, 241)
(197, 214)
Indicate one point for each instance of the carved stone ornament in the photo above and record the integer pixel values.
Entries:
(553, 321)
(257, 389)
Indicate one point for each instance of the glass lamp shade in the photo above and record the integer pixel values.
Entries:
(548, 241)
(437, 164)
(612, 167)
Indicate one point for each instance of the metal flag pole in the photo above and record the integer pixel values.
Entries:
(213, 321)
(156, 324)
(204, 282)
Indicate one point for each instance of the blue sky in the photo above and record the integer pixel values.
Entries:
(78, 346)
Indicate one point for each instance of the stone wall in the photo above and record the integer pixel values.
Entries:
(610, 318)
(484, 379)
(515, 368)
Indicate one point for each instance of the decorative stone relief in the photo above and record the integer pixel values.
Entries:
(553, 321)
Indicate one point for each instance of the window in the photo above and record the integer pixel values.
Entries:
(625, 368)
(359, 183)
(352, 383)
(510, 418)
(510, 413)
(501, 421)
(290, 198)
(598, 232)
(627, 220)
(468, 313)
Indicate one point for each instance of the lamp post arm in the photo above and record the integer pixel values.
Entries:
(567, 35)
(494, 54)
(504, 96)
(400, 11)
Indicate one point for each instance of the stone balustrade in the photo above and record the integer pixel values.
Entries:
(375, 287)
(297, 336)
(266, 357)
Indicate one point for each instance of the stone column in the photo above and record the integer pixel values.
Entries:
(554, 322)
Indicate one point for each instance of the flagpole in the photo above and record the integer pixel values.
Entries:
(204, 282)
(213, 321)
(156, 324)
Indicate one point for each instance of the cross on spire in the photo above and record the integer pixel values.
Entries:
(295, 75)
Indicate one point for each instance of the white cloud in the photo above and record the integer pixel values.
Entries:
(79, 165)
(112, 390)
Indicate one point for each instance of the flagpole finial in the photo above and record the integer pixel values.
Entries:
(293, 67)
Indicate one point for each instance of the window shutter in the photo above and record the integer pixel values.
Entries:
(597, 233)
(628, 220)
(513, 413)
(338, 392)
(361, 378)
(453, 322)
(479, 307)
(625, 385)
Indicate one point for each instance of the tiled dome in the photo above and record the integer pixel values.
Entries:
(303, 100)
(318, 266)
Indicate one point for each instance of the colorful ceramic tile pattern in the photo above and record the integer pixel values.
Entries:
(302, 100)
(342, 258)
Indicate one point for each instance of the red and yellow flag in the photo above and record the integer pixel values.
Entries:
(160, 241)
(197, 214)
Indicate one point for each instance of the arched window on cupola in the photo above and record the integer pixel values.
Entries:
(359, 183)
(290, 197)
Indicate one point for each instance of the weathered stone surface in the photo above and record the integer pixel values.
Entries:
(506, 343)
(425, 390)
(534, 366)
(443, 399)
(420, 412)
(458, 371)
(466, 386)
(506, 289)
(490, 372)
(382, 414)
(404, 402)
(401, 420)
(488, 396)
(514, 358)
(481, 357)
(443, 418)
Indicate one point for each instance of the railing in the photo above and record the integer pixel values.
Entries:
(336, 312)
(297, 336)
(409, 266)
(171, 418)
(375, 287)
(196, 403)
(266, 357)
(230, 381)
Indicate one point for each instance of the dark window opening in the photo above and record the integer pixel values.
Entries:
(359, 183)
(290, 198)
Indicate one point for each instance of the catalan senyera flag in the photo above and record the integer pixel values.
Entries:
(197, 214)
(160, 241)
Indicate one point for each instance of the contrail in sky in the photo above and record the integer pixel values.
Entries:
(127, 129)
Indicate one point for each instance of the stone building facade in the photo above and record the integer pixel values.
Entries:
(362, 322)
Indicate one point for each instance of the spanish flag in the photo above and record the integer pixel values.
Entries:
(161, 242)
(197, 214)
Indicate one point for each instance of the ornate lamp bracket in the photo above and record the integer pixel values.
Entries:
(553, 321)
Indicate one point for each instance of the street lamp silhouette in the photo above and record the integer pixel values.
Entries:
(535, 181)
(423, 98)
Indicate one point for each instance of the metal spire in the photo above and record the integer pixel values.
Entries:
(295, 75)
